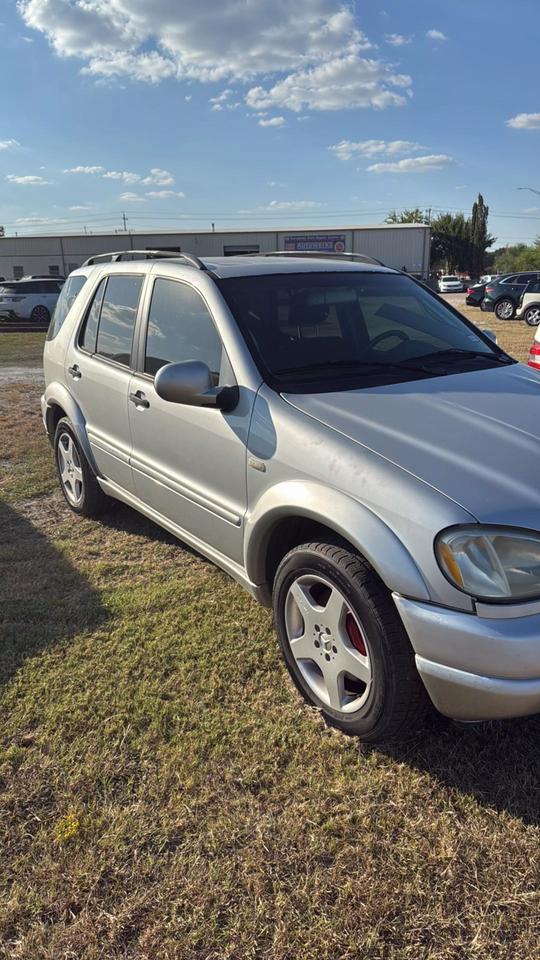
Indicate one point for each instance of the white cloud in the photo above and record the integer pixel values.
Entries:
(89, 170)
(286, 206)
(436, 35)
(82, 206)
(524, 121)
(272, 122)
(164, 194)
(313, 48)
(31, 181)
(37, 220)
(337, 84)
(126, 175)
(162, 178)
(397, 39)
(130, 197)
(346, 149)
(436, 161)
(9, 144)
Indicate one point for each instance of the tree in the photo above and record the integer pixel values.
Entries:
(520, 256)
(480, 239)
(408, 216)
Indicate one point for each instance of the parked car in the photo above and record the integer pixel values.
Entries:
(529, 304)
(32, 300)
(475, 295)
(489, 277)
(450, 284)
(503, 295)
(324, 431)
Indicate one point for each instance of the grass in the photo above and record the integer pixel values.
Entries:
(21, 349)
(164, 793)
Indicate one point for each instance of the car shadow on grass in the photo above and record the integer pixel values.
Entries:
(497, 763)
(43, 599)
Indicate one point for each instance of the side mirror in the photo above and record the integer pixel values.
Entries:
(491, 334)
(190, 383)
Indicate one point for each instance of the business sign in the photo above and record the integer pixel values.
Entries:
(317, 242)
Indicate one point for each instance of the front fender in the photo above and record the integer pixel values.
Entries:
(347, 517)
(56, 394)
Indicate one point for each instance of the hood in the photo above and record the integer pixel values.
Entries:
(474, 437)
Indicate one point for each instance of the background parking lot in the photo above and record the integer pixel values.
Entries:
(164, 793)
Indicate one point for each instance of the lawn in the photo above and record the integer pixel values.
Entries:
(165, 794)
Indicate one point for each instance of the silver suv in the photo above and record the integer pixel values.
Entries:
(338, 439)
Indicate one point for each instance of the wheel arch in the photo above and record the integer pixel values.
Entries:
(59, 403)
(294, 512)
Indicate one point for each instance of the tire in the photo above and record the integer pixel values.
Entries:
(40, 314)
(349, 623)
(505, 309)
(532, 316)
(77, 481)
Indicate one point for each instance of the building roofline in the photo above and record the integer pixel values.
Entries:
(233, 231)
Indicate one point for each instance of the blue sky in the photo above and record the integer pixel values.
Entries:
(251, 113)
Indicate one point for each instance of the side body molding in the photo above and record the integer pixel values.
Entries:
(57, 394)
(347, 517)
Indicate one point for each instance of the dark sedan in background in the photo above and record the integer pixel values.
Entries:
(502, 296)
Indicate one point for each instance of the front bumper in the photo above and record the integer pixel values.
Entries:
(475, 667)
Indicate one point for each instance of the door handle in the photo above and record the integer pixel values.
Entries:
(139, 400)
(75, 372)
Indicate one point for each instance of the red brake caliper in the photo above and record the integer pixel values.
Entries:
(355, 634)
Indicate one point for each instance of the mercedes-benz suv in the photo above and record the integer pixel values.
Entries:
(341, 441)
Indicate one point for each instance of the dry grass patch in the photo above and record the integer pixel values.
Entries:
(164, 794)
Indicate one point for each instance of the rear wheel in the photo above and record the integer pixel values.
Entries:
(77, 481)
(532, 316)
(40, 315)
(344, 644)
(504, 309)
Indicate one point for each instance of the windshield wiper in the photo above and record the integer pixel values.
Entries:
(365, 365)
(459, 353)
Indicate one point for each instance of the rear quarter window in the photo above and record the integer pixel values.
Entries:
(68, 296)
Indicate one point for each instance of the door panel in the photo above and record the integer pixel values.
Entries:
(189, 464)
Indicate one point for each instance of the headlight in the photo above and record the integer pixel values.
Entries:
(491, 563)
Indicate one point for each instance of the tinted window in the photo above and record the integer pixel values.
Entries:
(64, 304)
(180, 328)
(526, 277)
(87, 339)
(359, 324)
(534, 287)
(117, 320)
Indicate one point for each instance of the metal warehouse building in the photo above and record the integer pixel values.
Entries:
(396, 245)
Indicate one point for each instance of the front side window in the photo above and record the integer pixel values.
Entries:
(356, 325)
(69, 294)
(180, 328)
(117, 318)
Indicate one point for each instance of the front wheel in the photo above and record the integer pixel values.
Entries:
(532, 316)
(504, 309)
(344, 644)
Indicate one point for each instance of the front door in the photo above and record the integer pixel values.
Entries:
(189, 463)
(98, 374)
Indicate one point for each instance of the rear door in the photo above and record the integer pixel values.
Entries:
(98, 371)
(189, 463)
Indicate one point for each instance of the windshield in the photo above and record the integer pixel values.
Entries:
(362, 323)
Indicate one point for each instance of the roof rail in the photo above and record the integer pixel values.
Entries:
(120, 255)
(316, 254)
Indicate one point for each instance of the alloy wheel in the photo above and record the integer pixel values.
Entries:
(532, 316)
(69, 465)
(328, 643)
(505, 310)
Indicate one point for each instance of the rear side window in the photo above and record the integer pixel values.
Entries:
(87, 339)
(69, 294)
(117, 319)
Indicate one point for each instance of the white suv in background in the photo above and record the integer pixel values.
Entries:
(33, 300)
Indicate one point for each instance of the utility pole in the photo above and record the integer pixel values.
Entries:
(124, 218)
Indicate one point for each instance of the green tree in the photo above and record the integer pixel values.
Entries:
(519, 256)
(480, 239)
(408, 216)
